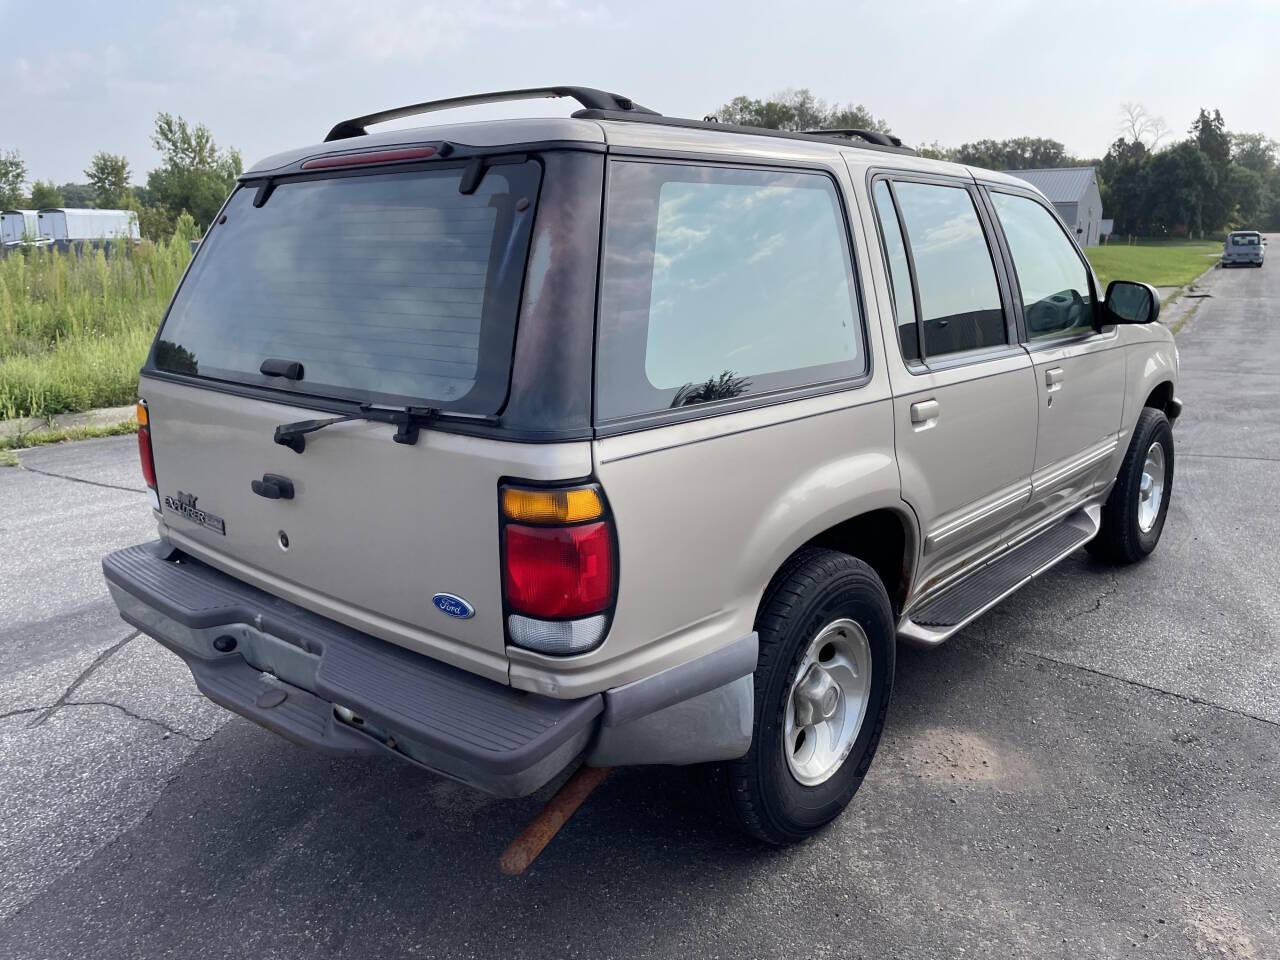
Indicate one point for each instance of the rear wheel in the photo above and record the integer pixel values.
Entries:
(822, 686)
(1133, 517)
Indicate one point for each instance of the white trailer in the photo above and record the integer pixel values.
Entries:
(66, 223)
(18, 225)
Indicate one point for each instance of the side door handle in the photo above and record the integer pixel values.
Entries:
(273, 487)
(1053, 379)
(925, 411)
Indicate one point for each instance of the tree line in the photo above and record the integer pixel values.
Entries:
(194, 177)
(1210, 181)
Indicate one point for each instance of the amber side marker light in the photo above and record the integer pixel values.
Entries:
(524, 505)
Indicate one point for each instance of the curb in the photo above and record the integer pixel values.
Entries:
(1185, 307)
(102, 417)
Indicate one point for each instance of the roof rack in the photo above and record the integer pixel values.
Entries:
(589, 97)
(873, 141)
(602, 105)
(871, 136)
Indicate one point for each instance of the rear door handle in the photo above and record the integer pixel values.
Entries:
(273, 487)
(1053, 379)
(924, 411)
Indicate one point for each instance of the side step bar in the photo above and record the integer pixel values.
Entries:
(963, 602)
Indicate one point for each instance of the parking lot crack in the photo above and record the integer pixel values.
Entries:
(84, 675)
(92, 483)
(1113, 586)
(21, 712)
(1184, 697)
(169, 731)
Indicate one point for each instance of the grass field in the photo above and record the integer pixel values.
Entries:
(1161, 263)
(74, 329)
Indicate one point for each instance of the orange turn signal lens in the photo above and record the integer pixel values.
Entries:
(551, 506)
(142, 414)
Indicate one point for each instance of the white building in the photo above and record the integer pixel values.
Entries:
(1073, 191)
(17, 225)
(65, 223)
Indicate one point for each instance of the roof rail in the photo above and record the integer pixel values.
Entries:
(589, 97)
(873, 141)
(871, 136)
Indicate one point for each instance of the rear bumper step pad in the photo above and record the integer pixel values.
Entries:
(504, 741)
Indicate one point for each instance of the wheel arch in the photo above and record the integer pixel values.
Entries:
(883, 538)
(1161, 396)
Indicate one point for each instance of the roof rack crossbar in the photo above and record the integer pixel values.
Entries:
(589, 97)
(871, 136)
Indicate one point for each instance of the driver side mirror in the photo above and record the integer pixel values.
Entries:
(1131, 302)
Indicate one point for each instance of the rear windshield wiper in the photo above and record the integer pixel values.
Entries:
(408, 421)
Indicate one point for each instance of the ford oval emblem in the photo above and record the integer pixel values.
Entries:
(454, 606)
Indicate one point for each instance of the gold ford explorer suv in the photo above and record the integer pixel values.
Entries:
(625, 439)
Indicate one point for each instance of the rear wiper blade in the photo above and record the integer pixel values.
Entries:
(408, 421)
(293, 435)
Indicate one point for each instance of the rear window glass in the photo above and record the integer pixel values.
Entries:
(1245, 239)
(721, 283)
(391, 287)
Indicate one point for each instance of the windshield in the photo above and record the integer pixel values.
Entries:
(390, 287)
(1245, 239)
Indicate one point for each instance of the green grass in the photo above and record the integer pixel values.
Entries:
(75, 329)
(1161, 263)
(39, 438)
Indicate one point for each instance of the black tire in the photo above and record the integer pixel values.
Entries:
(758, 793)
(1121, 539)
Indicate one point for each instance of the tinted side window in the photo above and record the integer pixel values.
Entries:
(895, 250)
(720, 283)
(1056, 300)
(956, 280)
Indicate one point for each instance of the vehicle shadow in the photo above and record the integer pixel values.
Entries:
(272, 847)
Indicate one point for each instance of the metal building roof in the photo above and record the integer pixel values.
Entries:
(1059, 184)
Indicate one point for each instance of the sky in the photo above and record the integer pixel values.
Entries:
(81, 77)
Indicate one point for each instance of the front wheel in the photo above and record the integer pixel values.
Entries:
(1134, 514)
(822, 686)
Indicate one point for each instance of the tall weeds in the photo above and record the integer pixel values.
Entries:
(75, 328)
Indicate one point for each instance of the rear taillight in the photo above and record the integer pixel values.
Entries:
(144, 452)
(560, 568)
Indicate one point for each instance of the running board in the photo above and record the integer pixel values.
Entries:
(965, 601)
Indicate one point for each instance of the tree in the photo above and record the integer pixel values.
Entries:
(1254, 151)
(194, 175)
(154, 222)
(798, 110)
(1247, 191)
(934, 151)
(108, 175)
(45, 195)
(1138, 126)
(1018, 153)
(1122, 178)
(1176, 184)
(1209, 132)
(13, 174)
(76, 194)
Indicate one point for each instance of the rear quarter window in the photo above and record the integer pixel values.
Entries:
(720, 283)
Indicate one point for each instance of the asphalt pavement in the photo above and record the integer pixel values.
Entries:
(1091, 770)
